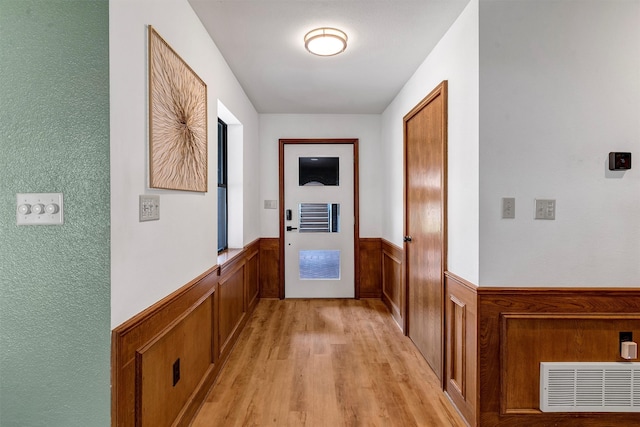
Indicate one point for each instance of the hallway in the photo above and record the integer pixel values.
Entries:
(325, 363)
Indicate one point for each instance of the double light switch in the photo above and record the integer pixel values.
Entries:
(545, 209)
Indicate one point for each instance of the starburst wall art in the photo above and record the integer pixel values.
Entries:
(177, 120)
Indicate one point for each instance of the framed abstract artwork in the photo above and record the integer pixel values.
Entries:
(177, 120)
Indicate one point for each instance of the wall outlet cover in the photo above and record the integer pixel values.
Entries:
(176, 371)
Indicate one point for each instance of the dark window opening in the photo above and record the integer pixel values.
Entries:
(223, 211)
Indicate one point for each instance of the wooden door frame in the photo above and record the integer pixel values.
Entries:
(439, 90)
(356, 210)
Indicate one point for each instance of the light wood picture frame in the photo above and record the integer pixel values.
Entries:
(177, 121)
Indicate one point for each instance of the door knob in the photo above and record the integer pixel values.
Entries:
(407, 238)
(290, 228)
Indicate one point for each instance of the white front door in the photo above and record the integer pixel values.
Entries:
(319, 221)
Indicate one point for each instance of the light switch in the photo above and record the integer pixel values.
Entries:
(508, 207)
(39, 209)
(149, 208)
(271, 204)
(545, 209)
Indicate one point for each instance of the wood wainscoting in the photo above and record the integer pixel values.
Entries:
(370, 275)
(392, 290)
(270, 267)
(519, 328)
(370, 267)
(461, 356)
(497, 337)
(195, 327)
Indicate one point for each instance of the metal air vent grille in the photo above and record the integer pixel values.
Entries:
(590, 387)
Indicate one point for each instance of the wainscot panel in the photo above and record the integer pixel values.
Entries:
(461, 367)
(197, 324)
(252, 274)
(170, 367)
(370, 268)
(392, 291)
(270, 267)
(519, 328)
(232, 311)
(143, 329)
(525, 338)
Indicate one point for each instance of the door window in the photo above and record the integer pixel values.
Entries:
(319, 264)
(319, 217)
(319, 171)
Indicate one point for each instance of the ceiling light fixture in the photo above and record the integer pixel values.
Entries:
(325, 41)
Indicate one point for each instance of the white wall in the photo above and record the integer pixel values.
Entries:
(152, 259)
(455, 59)
(366, 128)
(560, 89)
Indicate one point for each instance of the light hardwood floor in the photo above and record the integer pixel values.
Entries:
(325, 363)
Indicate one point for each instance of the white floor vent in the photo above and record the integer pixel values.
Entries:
(590, 387)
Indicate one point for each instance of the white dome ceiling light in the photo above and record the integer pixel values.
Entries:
(325, 41)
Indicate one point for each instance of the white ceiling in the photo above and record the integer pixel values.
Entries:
(262, 41)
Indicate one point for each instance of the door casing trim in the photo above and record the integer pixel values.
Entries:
(356, 204)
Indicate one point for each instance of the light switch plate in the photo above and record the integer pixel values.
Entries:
(39, 209)
(149, 208)
(545, 209)
(271, 204)
(508, 207)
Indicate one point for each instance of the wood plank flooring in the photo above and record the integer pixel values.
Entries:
(325, 363)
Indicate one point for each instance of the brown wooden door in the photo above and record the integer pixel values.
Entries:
(425, 145)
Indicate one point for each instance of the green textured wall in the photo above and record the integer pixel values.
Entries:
(54, 280)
